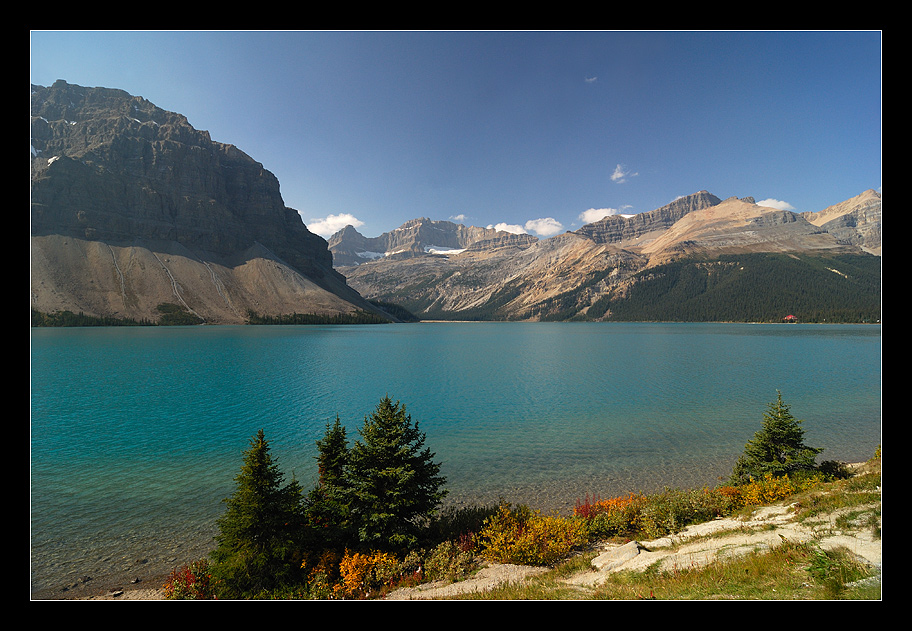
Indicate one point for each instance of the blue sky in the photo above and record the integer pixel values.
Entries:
(525, 129)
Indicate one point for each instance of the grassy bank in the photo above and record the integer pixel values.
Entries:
(790, 571)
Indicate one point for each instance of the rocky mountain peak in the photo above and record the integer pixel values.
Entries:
(112, 168)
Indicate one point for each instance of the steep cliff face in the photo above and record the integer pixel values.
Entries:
(633, 230)
(182, 219)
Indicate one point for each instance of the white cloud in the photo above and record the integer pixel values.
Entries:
(515, 229)
(594, 214)
(775, 203)
(330, 225)
(546, 226)
(621, 174)
(460, 218)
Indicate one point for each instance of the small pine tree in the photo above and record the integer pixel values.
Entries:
(258, 542)
(327, 512)
(332, 455)
(394, 485)
(777, 448)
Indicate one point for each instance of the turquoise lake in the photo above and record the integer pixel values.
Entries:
(137, 433)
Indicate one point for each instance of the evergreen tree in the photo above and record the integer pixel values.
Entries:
(258, 542)
(394, 485)
(777, 448)
(326, 504)
(332, 454)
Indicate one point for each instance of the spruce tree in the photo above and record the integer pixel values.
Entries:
(327, 511)
(394, 485)
(259, 534)
(777, 448)
(332, 453)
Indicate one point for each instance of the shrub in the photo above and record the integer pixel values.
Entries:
(611, 517)
(365, 573)
(322, 573)
(191, 582)
(665, 513)
(526, 537)
(449, 561)
(834, 470)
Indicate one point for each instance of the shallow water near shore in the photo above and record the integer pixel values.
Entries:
(137, 433)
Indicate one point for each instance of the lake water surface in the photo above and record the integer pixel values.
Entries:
(137, 433)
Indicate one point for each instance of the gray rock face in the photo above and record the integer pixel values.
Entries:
(857, 221)
(114, 167)
(419, 237)
(108, 167)
(618, 229)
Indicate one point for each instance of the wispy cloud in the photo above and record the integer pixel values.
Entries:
(460, 218)
(331, 224)
(621, 174)
(590, 79)
(775, 203)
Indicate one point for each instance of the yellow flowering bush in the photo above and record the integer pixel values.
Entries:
(766, 490)
(527, 537)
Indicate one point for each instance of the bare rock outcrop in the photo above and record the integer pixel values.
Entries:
(856, 221)
(420, 237)
(629, 229)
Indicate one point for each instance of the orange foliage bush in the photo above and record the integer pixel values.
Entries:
(365, 573)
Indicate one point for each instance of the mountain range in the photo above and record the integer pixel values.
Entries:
(138, 217)
(692, 259)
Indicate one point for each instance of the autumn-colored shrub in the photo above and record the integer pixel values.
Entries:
(611, 517)
(191, 582)
(527, 537)
(322, 573)
(767, 490)
(365, 573)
